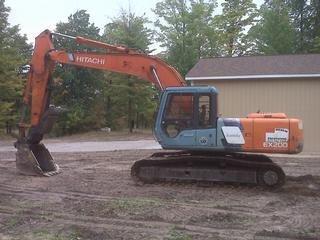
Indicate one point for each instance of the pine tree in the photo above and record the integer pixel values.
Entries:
(186, 31)
(315, 25)
(129, 98)
(14, 52)
(274, 33)
(78, 89)
(202, 29)
(237, 16)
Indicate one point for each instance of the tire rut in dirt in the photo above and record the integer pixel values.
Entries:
(155, 228)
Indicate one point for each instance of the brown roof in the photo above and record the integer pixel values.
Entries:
(300, 64)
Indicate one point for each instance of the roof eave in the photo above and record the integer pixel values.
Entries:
(254, 76)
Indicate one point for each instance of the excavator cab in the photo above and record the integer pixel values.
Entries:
(187, 118)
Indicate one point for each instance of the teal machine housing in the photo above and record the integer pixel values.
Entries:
(183, 129)
(196, 127)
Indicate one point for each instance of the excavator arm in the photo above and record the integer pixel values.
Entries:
(33, 157)
(117, 59)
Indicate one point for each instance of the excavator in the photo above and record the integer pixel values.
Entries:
(205, 148)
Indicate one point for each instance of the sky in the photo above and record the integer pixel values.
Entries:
(34, 16)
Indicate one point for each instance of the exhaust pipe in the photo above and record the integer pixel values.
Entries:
(35, 160)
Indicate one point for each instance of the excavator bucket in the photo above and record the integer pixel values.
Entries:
(35, 160)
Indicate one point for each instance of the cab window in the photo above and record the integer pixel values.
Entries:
(179, 114)
(180, 107)
(205, 119)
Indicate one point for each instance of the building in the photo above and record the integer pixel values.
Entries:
(282, 83)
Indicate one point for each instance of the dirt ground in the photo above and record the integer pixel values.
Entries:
(95, 198)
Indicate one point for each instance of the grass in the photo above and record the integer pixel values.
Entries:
(47, 235)
(132, 205)
(175, 234)
(13, 222)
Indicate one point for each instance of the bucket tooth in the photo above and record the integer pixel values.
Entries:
(35, 160)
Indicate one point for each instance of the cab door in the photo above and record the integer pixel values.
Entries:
(178, 121)
(205, 121)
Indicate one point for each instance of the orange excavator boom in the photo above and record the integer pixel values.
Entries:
(37, 91)
(116, 59)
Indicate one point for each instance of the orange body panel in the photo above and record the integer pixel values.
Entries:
(273, 134)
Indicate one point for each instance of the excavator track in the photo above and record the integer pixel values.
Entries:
(204, 167)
